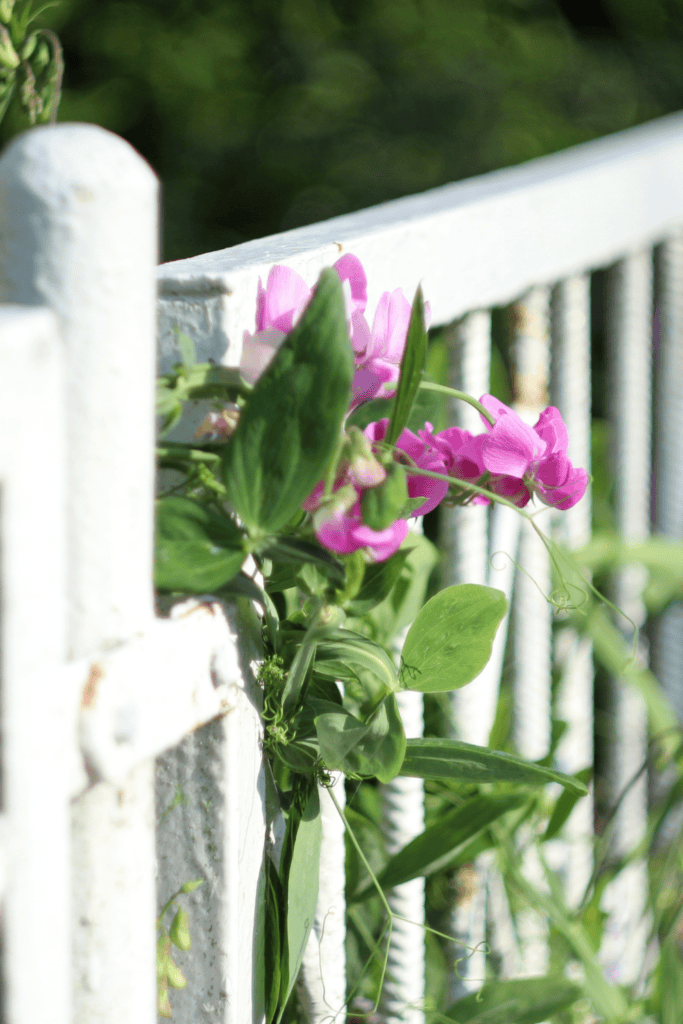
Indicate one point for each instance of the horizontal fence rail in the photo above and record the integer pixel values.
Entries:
(102, 687)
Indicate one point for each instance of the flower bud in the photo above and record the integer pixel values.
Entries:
(179, 932)
(365, 470)
(382, 506)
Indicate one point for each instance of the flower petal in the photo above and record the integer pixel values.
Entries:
(286, 296)
(495, 407)
(390, 326)
(568, 493)
(551, 427)
(350, 269)
(512, 446)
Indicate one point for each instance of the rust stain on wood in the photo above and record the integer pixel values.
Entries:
(90, 689)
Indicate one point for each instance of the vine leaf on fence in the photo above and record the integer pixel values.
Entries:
(367, 748)
(521, 1001)
(196, 551)
(302, 892)
(435, 758)
(439, 845)
(412, 365)
(290, 426)
(450, 641)
(365, 668)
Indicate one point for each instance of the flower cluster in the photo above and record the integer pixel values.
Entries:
(511, 459)
(377, 351)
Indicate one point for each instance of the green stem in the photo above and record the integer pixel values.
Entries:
(462, 395)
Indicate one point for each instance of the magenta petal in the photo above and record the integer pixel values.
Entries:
(338, 535)
(313, 500)
(433, 490)
(365, 386)
(377, 431)
(382, 543)
(448, 442)
(350, 269)
(569, 493)
(360, 335)
(390, 326)
(551, 427)
(553, 470)
(286, 295)
(511, 488)
(495, 407)
(512, 446)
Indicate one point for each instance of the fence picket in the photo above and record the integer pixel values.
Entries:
(629, 325)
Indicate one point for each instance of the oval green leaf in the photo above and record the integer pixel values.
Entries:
(520, 1001)
(450, 641)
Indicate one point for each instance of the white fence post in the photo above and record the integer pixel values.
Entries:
(668, 646)
(629, 324)
(38, 738)
(464, 535)
(571, 393)
(78, 234)
(531, 613)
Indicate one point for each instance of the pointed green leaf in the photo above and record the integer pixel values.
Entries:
(196, 551)
(521, 1001)
(412, 365)
(450, 641)
(378, 582)
(302, 889)
(437, 847)
(290, 427)
(464, 762)
(373, 748)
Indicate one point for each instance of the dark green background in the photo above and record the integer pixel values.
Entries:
(265, 115)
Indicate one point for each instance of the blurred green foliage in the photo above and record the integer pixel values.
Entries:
(262, 115)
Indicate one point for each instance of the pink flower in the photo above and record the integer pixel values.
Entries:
(462, 455)
(338, 524)
(379, 351)
(524, 459)
(423, 456)
(280, 304)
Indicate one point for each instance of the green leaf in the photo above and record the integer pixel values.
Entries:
(412, 365)
(522, 1001)
(374, 748)
(191, 886)
(196, 551)
(290, 427)
(188, 353)
(293, 550)
(564, 806)
(179, 932)
(351, 658)
(378, 582)
(439, 845)
(302, 890)
(450, 641)
(273, 945)
(464, 762)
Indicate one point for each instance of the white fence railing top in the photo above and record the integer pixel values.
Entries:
(475, 243)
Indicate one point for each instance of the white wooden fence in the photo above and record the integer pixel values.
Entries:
(94, 686)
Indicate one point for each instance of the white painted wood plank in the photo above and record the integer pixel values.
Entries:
(571, 394)
(473, 244)
(78, 212)
(37, 739)
(217, 832)
(668, 406)
(629, 330)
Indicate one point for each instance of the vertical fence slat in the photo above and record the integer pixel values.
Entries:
(629, 331)
(668, 644)
(402, 802)
(37, 737)
(79, 234)
(464, 538)
(322, 981)
(531, 612)
(571, 394)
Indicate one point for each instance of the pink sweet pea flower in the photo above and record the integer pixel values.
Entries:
(280, 304)
(524, 459)
(379, 351)
(423, 456)
(339, 527)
